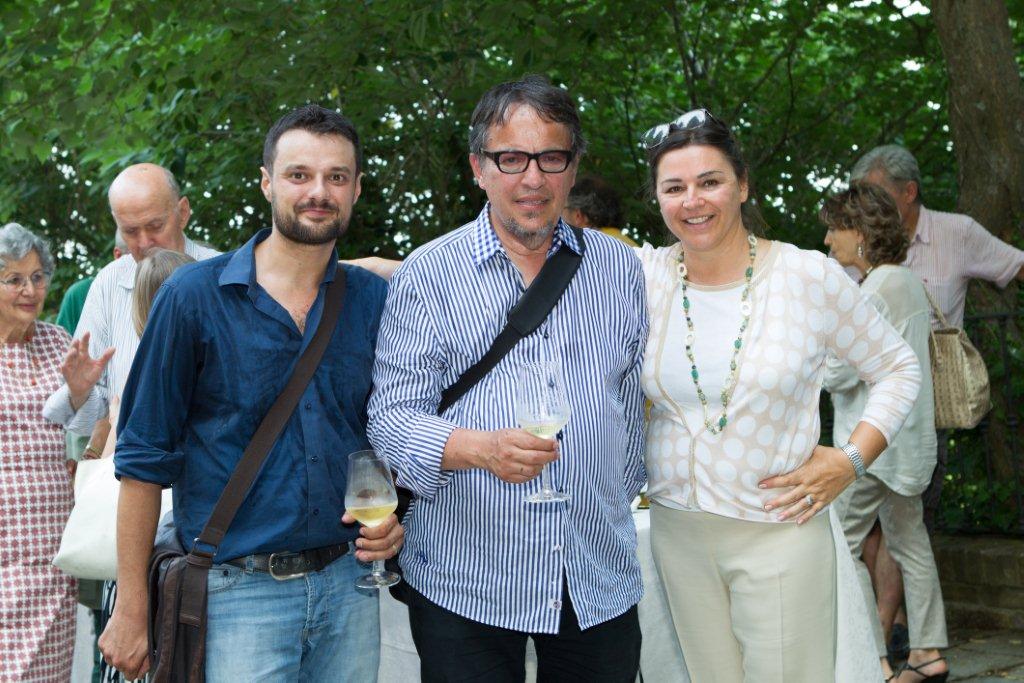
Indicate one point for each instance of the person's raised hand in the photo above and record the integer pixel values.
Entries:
(81, 371)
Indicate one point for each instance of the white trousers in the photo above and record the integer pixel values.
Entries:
(750, 601)
(906, 538)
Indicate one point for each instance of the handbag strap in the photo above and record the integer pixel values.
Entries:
(936, 310)
(273, 422)
(526, 316)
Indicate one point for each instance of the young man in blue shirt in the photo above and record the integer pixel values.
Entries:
(220, 344)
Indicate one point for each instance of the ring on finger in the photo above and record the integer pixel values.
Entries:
(809, 499)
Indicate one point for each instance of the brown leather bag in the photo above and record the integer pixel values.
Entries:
(177, 579)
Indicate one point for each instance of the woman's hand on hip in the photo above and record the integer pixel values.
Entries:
(813, 485)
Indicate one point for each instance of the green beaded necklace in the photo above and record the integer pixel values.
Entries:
(718, 425)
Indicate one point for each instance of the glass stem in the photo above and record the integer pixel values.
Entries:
(545, 479)
(378, 568)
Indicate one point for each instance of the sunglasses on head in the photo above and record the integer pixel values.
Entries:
(691, 119)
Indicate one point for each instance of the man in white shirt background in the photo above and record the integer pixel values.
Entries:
(149, 211)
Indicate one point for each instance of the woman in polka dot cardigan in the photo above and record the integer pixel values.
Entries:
(760, 582)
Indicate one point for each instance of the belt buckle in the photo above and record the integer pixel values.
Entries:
(283, 576)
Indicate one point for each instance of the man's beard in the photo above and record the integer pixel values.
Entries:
(531, 239)
(292, 227)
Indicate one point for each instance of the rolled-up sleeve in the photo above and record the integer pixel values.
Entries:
(991, 258)
(158, 393)
(863, 339)
(408, 378)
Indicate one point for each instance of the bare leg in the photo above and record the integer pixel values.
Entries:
(888, 583)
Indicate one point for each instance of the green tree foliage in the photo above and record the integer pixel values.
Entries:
(88, 87)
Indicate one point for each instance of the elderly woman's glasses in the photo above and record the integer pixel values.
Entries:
(16, 283)
(513, 161)
(691, 119)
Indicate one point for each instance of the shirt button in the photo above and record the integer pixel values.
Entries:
(546, 335)
(309, 406)
(556, 604)
(556, 549)
(316, 511)
(315, 458)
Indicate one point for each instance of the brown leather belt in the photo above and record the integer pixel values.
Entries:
(289, 565)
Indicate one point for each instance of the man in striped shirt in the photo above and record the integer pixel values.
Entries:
(487, 569)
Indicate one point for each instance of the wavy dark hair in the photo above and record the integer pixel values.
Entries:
(713, 133)
(868, 209)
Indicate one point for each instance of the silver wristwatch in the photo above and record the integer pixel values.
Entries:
(853, 453)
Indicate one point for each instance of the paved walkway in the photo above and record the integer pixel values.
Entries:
(975, 656)
(986, 656)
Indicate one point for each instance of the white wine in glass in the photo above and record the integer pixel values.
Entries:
(370, 497)
(542, 409)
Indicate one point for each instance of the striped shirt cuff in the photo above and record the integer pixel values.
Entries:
(424, 449)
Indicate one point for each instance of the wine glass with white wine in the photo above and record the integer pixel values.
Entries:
(542, 409)
(370, 497)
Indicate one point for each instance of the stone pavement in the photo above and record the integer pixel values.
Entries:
(985, 656)
(974, 655)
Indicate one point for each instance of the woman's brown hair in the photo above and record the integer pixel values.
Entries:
(868, 209)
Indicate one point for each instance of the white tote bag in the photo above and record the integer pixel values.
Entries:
(88, 548)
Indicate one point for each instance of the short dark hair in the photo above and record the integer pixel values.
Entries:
(712, 133)
(597, 200)
(871, 211)
(550, 102)
(314, 119)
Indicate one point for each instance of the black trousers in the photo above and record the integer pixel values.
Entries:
(453, 648)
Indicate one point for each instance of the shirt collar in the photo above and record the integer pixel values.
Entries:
(486, 243)
(241, 267)
(923, 232)
(126, 274)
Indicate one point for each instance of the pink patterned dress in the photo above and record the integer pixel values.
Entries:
(37, 602)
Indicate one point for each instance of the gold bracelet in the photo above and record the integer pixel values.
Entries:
(93, 451)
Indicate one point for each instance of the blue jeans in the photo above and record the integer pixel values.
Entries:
(315, 628)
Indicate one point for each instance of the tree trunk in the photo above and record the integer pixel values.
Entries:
(986, 117)
(986, 111)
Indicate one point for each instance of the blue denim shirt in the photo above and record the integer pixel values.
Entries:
(216, 352)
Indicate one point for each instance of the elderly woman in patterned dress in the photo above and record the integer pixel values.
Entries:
(37, 602)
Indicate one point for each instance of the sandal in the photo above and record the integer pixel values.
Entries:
(934, 678)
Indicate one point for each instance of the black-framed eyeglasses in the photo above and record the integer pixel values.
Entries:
(691, 119)
(15, 283)
(515, 161)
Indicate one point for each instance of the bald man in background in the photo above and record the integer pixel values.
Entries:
(149, 211)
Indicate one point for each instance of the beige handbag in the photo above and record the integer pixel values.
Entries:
(959, 377)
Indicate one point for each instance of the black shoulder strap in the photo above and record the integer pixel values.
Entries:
(526, 316)
(276, 418)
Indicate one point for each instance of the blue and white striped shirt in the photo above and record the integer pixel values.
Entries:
(473, 545)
